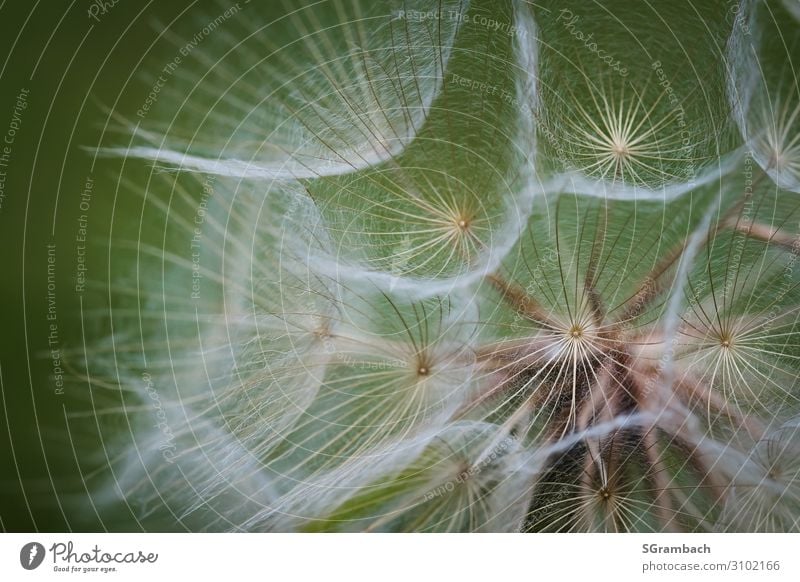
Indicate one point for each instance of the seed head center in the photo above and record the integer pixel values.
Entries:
(620, 149)
(322, 332)
(778, 160)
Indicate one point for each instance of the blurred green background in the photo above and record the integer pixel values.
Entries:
(72, 62)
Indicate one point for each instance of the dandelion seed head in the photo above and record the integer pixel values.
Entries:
(777, 143)
(766, 493)
(388, 352)
(622, 136)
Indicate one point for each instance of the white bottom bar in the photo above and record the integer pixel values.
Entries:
(401, 557)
